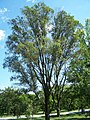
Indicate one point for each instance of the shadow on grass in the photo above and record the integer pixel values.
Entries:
(71, 116)
(54, 118)
(40, 118)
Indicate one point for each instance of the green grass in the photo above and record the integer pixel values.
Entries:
(71, 116)
(64, 117)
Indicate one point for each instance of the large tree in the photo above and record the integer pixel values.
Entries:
(29, 51)
(39, 47)
(65, 32)
(79, 69)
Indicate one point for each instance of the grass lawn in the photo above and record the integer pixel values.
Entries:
(64, 117)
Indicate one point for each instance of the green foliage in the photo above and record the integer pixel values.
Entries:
(11, 102)
(79, 73)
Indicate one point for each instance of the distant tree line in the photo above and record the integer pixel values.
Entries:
(17, 102)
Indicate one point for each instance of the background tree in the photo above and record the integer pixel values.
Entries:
(41, 101)
(68, 99)
(79, 72)
(11, 102)
(32, 105)
(75, 97)
(2, 104)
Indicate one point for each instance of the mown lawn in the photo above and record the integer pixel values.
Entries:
(64, 117)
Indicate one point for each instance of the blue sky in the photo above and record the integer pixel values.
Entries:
(9, 9)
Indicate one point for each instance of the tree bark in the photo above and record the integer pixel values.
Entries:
(47, 112)
(82, 111)
(58, 108)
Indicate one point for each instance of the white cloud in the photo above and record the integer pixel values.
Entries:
(33, 1)
(2, 11)
(2, 34)
(3, 15)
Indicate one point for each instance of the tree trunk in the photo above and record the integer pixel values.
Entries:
(58, 112)
(82, 110)
(46, 92)
(58, 108)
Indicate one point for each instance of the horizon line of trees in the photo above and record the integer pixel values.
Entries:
(18, 102)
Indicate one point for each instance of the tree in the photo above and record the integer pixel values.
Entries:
(29, 49)
(2, 104)
(39, 46)
(65, 34)
(79, 72)
(32, 105)
(41, 101)
(11, 102)
(68, 101)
